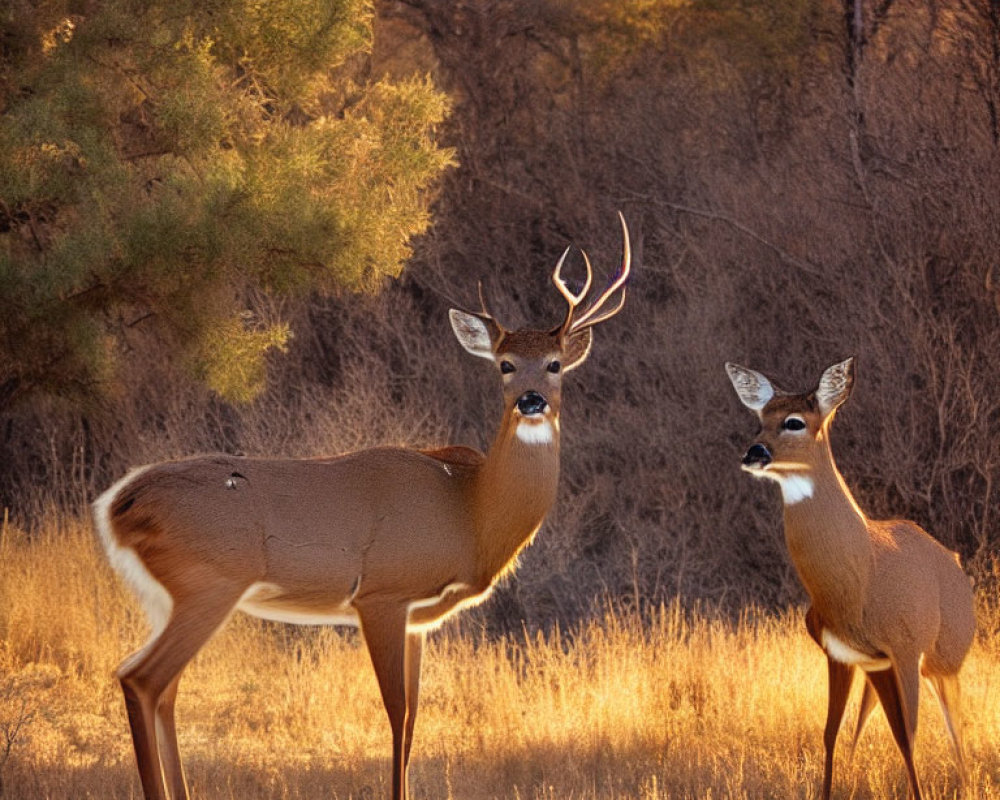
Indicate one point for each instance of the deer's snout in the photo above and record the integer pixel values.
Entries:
(531, 402)
(757, 457)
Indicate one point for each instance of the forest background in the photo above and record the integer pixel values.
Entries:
(238, 226)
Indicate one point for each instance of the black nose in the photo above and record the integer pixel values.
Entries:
(757, 456)
(531, 402)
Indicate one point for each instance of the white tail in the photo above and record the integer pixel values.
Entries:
(391, 539)
(886, 597)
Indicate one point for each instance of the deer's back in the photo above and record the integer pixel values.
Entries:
(290, 521)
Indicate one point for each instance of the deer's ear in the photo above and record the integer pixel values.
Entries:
(577, 348)
(753, 389)
(473, 332)
(835, 386)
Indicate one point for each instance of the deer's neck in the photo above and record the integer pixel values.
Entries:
(514, 490)
(827, 537)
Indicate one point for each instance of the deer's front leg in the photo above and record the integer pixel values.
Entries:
(384, 628)
(414, 651)
(841, 675)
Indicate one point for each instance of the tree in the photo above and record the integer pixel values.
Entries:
(164, 163)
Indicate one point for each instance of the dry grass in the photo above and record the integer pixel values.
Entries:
(684, 705)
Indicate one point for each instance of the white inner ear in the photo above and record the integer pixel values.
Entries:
(471, 333)
(753, 389)
(834, 386)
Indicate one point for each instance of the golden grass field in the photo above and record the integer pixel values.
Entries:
(684, 705)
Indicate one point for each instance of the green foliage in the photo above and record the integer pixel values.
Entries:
(161, 162)
(230, 358)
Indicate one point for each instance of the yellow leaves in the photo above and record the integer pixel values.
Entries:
(646, 20)
(61, 34)
(348, 192)
(233, 357)
(714, 40)
(616, 32)
(407, 107)
(290, 48)
(383, 194)
(50, 155)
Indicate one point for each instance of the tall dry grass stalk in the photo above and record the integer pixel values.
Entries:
(678, 705)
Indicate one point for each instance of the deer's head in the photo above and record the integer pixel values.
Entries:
(794, 428)
(532, 362)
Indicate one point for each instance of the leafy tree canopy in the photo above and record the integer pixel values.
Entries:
(164, 161)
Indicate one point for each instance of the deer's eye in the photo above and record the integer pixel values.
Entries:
(793, 424)
(506, 367)
(554, 366)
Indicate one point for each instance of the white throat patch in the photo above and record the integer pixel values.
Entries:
(794, 488)
(531, 432)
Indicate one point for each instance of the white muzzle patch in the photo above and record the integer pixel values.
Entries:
(531, 432)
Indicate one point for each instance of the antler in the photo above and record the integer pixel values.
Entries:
(487, 315)
(485, 312)
(595, 313)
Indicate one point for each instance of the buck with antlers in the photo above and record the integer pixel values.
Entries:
(886, 597)
(393, 540)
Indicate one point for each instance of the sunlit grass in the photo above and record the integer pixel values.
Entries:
(681, 705)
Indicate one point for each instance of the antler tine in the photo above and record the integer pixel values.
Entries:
(572, 299)
(488, 315)
(590, 318)
(482, 303)
(564, 290)
(590, 273)
(594, 314)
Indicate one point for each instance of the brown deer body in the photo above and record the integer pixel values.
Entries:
(886, 597)
(393, 540)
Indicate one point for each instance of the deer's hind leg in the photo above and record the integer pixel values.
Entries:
(946, 689)
(166, 736)
(898, 689)
(869, 699)
(149, 682)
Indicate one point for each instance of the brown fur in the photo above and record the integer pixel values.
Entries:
(886, 589)
(394, 539)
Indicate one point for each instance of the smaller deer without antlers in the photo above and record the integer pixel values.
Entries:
(394, 540)
(886, 597)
